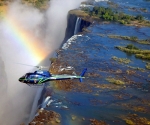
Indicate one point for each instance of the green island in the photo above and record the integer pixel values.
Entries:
(136, 68)
(139, 53)
(147, 66)
(131, 38)
(107, 14)
(115, 81)
(121, 60)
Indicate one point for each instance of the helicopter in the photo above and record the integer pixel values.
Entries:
(40, 76)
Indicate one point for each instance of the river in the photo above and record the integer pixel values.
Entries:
(96, 97)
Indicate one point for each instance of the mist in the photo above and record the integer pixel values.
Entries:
(46, 29)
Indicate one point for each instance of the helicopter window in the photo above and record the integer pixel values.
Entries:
(40, 72)
(34, 77)
(25, 76)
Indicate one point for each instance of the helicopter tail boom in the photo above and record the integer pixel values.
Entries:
(82, 74)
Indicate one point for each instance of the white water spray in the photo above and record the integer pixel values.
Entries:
(17, 98)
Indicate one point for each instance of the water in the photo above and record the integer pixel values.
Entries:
(95, 97)
(77, 26)
(129, 7)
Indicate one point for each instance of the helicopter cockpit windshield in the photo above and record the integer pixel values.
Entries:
(25, 76)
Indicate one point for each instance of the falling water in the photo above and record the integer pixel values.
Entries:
(19, 101)
(77, 26)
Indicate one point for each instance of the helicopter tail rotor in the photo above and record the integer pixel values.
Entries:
(82, 74)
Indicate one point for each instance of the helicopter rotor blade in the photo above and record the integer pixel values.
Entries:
(26, 64)
(39, 67)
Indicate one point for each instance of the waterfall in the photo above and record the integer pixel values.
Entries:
(35, 103)
(74, 25)
(77, 26)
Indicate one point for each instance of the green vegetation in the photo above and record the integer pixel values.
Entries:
(36, 3)
(129, 122)
(132, 38)
(115, 81)
(147, 66)
(121, 60)
(147, 41)
(136, 68)
(130, 46)
(108, 14)
(143, 54)
(53, 60)
(134, 119)
(79, 13)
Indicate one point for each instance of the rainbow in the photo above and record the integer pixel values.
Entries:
(26, 40)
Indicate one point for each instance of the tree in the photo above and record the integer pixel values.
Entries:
(95, 9)
(106, 16)
(133, 38)
(139, 17)
(130, 46)
(115, 17)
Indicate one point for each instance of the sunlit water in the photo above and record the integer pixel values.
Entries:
(94, 50)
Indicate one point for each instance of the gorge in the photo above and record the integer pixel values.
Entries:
(20, 33)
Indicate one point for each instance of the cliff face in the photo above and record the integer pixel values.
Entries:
(84, 24)
(71, 21)
(76, 22)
